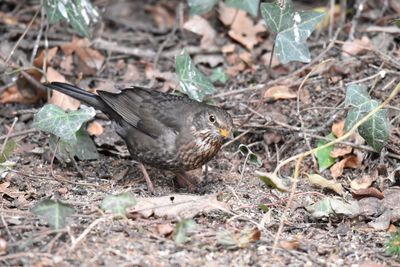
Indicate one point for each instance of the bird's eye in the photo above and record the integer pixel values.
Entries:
(212, 118)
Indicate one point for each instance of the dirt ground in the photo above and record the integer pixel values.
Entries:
(275, 130)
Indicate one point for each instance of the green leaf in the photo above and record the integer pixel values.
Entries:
(292, 28)
(182, 229)
(218, 75)
(117, 204)
(84, 147)
(250, 6)
(324, 155)
(78, 13)
(375, 130)
(331, 206)
(252, 157)
(53, 119)
(55, 212)
(198, 7)
(8, 150)
(272, 181)
(192, 81)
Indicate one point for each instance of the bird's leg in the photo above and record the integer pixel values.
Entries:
(150, 185)
(184, 181)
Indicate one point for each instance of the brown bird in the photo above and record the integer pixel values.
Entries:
(161, 130)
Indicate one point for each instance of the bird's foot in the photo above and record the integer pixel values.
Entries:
(185, 180)
(150, 185)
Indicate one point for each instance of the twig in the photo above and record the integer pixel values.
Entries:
(76, 241)
(21, 37)
(16, 134)
(289, 203)
(345, 136)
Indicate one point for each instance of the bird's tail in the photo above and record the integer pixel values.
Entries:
(79, 94)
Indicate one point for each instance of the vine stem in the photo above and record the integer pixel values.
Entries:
(345, 136)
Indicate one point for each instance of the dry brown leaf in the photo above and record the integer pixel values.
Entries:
(234, 70)
(351, 161)
(161, 16)
(90, 59)
(367, 192)
(202, 27)
(178, 206)
(289, 244)
(3, 186)
(131, 73)
(243, 29)
(67, 64)
(164, 229)
(267, 57)
(229, 48)
(363, 182)
(246, 57)
(341, 151)
(338, 128)
(317, 179)
(59, 99)
(356, 47)
(95, 128)
(279, 92)
(8, 20)
(39, 60)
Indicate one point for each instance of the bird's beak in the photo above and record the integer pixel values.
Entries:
(225, 133)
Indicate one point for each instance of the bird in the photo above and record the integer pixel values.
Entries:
(161, 130)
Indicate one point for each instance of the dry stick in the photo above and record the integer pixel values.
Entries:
(289, 203)
(16, 134)
(298, 109)
(21, 37)
(3, 147)
(344, 137)
(76, 241)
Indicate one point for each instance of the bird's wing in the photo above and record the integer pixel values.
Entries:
(149, 111)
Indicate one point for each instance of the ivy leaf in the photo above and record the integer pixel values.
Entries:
(117, 204)
(324, 158)
(53, 119)
(182, 230)
(84, 147)
(250, 6)
(375, 130)
(198, 7)
(55, 212)
(192, 81)
(292, 28)
(218, 75)
(78, 13)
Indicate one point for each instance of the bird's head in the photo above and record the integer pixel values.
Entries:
(215, 123)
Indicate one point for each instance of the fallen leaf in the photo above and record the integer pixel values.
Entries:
(367, 192)
(363, 182)
(382, 222)
(243, 29)
(202, 27)
(289, 244)
(351, 161)
(164, 229)
(67, 64)
(229, 48)
(267, 57)
(161, 16)
(317, 179)
(356, 47)
(272, 180)
(3, 186)
(39, 60)
(246, 57)
(279, 92)
(341, 151)
(95, 128)
(63, 101)
(178, 206)
(338, 128)
(131, 73)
